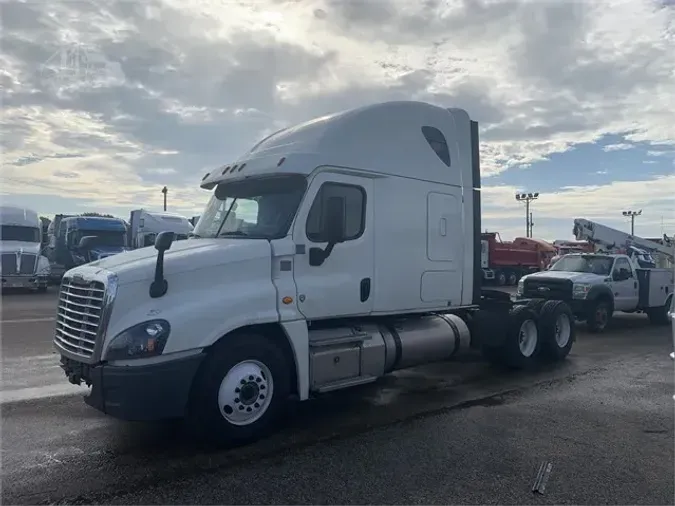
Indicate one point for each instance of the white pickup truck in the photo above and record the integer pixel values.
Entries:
(596, 285)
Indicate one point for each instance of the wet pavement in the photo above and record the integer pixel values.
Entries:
(446, 433)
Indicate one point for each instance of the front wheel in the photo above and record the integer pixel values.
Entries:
(241, 391)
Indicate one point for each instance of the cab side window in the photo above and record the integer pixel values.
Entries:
(622, 266)
(355, 210)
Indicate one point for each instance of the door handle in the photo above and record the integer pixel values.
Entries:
(365, 289)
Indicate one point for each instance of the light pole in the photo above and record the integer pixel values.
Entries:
(165, 190)
(632, 215)
(527, 198)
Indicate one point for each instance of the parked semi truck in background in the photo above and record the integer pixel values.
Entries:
(145, 225)
(505, 262)
(23, 265)
(323, 282)
(66, 250)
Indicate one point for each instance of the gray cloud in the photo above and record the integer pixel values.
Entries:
(167, 90)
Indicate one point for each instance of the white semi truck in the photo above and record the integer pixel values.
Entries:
(144, 226)
(324, 281)
(23, 265)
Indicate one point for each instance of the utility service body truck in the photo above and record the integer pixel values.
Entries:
(324, 281)
(23, 265)
(621, 275)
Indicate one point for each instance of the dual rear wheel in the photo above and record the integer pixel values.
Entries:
(534, 335)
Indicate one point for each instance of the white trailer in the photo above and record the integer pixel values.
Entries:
(144, 226)
(323, 281)
(23, 265)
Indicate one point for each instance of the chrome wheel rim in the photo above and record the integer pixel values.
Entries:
(246, 392)
(527, 338)
(563, 330)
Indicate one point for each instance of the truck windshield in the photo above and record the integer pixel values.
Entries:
(258, 208)
(19, 233)
(104, 237)
(593, 264)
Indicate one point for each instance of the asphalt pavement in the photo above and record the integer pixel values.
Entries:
(456, 432)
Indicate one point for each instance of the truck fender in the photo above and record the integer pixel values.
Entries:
(599, 291)
(293, 337)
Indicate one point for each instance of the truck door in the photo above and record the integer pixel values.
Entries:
(624, 285)
(343, 284)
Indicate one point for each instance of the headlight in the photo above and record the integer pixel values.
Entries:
(146, 339)
(521, 287)
(580, 290)
(43, 268)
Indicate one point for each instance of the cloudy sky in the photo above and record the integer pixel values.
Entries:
(575, 98)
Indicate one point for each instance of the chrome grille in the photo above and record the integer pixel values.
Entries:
(548, 288)
(79, 316)
(26, 266)
(9, 263)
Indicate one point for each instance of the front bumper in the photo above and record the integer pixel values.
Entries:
(137, 393)
(32, 281)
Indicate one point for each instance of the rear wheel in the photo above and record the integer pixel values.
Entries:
(599, 314)
(241, 391)
(501, 278)
(536, 305)
(520, 347)
(513, 278)
(556, 330)
(659, 315)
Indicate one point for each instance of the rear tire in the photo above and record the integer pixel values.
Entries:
(556, 330)
(659, 315)
(520, 347)
(599, 315)
(241, 391)
(513, 279)
(536, 305)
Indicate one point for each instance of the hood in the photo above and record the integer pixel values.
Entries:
(192, 254)
(100, 252)
(14, 246)
(575, 277)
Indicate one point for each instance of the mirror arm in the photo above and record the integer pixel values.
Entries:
(318, 256)
(159, 286)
